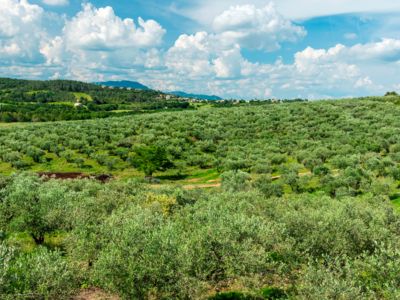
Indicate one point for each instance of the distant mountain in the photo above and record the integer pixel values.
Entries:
(195, 96)
(124, 84)
(139, 86)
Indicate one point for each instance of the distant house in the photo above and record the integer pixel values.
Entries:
(78, 104)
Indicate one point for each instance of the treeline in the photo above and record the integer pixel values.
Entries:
(46, 113)
(63, 90)
(59, 112)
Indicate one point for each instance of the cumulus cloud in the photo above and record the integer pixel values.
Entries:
(256, 28)
(97, 41)
(56, 2)
(100, 29)
(94, 42)
(219, 53)
(21, 31)
(204, 55)
(339, 71)
(386, 50)
(191, 54)
(97, 44)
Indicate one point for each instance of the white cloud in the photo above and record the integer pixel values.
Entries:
(100, 29)
(256, 28)
(97, 41)
(229, 64)
(204, 55)
(56, 2)
(363, 82)
(97, 44)
(21, 31)
(191, 54)
(204, 11)
(315, 73)
(386, 50)
(219, 53)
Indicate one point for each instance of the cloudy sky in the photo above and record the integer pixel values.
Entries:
(232, 48)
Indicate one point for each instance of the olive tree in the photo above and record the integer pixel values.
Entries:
(149, 159)
(30, 207)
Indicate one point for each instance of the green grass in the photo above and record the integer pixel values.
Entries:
(121, 110)
(396, 204)
(22, 241)
(25, 242)
(61, 103)
(83, 95)
(36, 92)
(6, 168)
(204, 175)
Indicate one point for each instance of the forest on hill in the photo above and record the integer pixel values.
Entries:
(55, 100)
(286, 200)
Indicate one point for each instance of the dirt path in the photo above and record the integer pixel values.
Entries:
(94, 294)
(201, 186)
(216, 182)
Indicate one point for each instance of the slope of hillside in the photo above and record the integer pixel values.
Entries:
(195, 96)
(275, 201)
(124, 84)
(27, 100)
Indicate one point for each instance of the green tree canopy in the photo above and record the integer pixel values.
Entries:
(149, 159)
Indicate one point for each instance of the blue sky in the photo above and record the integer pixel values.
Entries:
(250, 49)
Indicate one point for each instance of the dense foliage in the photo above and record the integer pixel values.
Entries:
(142, 243)
(342, 147)
(306, 208)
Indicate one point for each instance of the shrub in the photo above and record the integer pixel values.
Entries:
(235, 181)
(40, 274)
(272, 293)
(29, 207)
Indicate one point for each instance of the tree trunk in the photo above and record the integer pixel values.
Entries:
(39, 240)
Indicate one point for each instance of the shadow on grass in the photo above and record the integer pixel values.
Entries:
(173, 177)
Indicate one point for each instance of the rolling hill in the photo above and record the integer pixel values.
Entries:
(195, 96)
(124, 84)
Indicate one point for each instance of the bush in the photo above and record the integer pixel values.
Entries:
(269, 188)
(235, 181)
(40, 274)
(31, 207)
(272, 293)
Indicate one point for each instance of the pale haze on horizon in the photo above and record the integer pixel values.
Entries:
(234, 49)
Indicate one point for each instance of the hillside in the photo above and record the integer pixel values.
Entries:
(124, 84)
(26, 101)
(275, 139)
(293, 200)
(195, 96)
